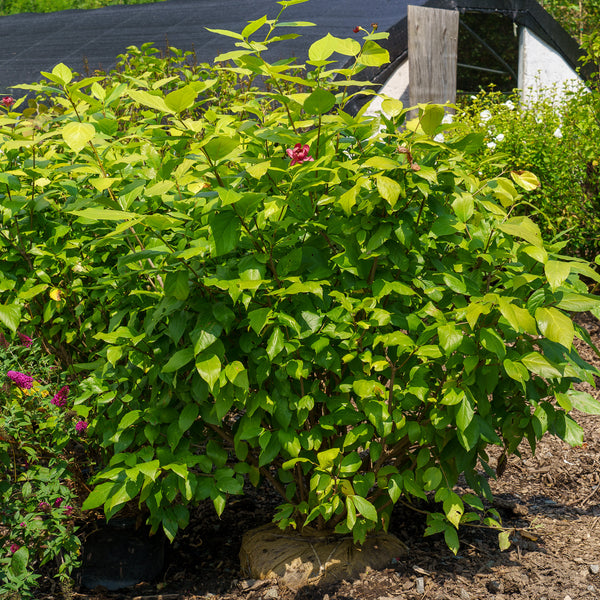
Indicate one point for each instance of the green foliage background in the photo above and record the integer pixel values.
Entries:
(11, 7)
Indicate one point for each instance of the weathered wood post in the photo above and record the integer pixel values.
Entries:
(432, 54)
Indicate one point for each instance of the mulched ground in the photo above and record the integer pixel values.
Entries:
(550, 500)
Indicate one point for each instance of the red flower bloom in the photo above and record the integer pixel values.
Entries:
(299, 154)
(60, 398)
(14, 548)
(20, 379)
(356, 29)
(25, 339)
(81, 426)
(7, 101)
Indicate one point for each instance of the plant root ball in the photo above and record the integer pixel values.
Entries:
(311, 557)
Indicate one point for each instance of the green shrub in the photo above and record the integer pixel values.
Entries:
(277, 289)
(559, 141)
(11, 7)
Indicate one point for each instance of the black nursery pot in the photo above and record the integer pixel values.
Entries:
(118, 554)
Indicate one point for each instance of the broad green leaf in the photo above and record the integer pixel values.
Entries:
(77, 134)
(464, 207)
(351, 510)
(504, 540)
(98, 495)
(557, 272)
(365, 508)
(221, 146)
(432, 478)
(391, 107)
(388, 189)
(10, 315)
(519, 318)
(19, 561)
(181, 99)
(178, 360)
(516, 370)
(228, 33)
(226, 230)
(209, 368)
(373, 55)
(253, 26)
(103, 214)
(453, 508)
(524, 228)
(348, 199)
(451, 539)
(492, 342)
(275, 343)
(350, 464)
(584, 402)
(156, 102)
(450, 338)
(63, 73)
(327, 458)
(322, 49)
(528, 181)
(539, 365)
(319, 102)
(431, 118)
(237, 374)
(556, 326)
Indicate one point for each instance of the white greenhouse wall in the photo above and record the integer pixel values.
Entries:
(543, 72)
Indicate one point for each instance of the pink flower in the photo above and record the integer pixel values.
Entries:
(25, 339)
(7, 101)
(81, 426)
(22, 523)
(14, 548)
(58, 502)
(20, 379)
(299, 154)
(44, 506)
(68, 510)
(60, 398)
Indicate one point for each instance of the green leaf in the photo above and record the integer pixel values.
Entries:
(524, 228)
(104, 214)
(388, 189)
(181, 99)
(63, 73)
(528, 181)
(557, 272)
(464, 207)
(237, 374)
(177, 284)
(351, 510)
(253, 26)
(584, 402)
(431, 118)
(556, 326)
(227, 33)
(209, 368)
(454, 508)
(225, 227)
(221, 146)
(156, 102)
(504, 540)
(350, 464)
(450, 338)
(373, 55)
(19, 561)
(275, 343)
(365, 508)
(451, 539)
(432, 478)
(327, 458)
(492, 342)
(10, 315)
(98, 495)
(465, 413)
(319, 102)
(77, 134)
(178, 360)
(538, 364)
(322, 49)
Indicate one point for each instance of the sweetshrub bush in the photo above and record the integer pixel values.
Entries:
(278, 289)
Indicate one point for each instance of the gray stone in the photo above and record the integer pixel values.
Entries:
(420, 585)
(594, 569)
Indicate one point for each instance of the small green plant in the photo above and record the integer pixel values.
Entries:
(40, 438)
(559, 141)
(277, 289)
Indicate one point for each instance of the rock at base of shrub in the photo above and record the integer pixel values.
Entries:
(311, 557)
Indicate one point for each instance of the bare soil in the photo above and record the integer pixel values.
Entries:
(550, 501)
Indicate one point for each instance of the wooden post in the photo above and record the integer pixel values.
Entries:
(432, 52)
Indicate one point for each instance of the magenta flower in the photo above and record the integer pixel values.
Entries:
(14, 548)
(299, 154)
(58, 502)
(22, 523)
(20, 379)
(81, 426)
(68, 510)
(44, 506)
(25, 339)
(7, 101)
(60, 398)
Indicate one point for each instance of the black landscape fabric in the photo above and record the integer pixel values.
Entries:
(30, 43)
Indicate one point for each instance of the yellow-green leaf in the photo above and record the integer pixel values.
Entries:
(556, 326)
(77, 135)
